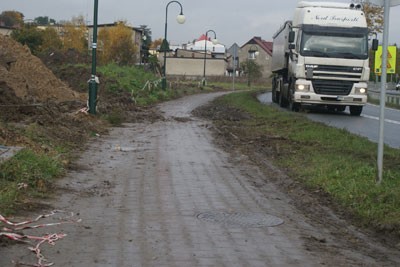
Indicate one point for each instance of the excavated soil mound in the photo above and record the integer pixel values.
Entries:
(28, 77)
(35, 101)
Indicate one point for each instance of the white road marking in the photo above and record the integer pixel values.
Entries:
(377, 118)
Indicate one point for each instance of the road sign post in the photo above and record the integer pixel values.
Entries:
(391, 60)
(386, 8)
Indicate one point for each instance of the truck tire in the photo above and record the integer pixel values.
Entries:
(293, 106)
(275, 96)
(282, 100)
(355, 110)
(274, 92)
(341, 108)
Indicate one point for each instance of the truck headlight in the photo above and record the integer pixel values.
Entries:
(361, 90)
(302, 87)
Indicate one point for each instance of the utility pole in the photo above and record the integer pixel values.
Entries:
(93, 79)
(386, 8)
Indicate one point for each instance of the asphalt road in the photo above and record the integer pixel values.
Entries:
(367, 125)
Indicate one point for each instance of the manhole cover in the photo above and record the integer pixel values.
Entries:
(240, 219)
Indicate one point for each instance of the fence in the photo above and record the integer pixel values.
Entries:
(392, 96)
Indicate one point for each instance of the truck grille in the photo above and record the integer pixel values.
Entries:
(332, 87)
(334, 80)
(346, 69)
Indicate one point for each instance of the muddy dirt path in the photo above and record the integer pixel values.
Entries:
(163, 194)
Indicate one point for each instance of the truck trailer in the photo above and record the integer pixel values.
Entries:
(321, 58)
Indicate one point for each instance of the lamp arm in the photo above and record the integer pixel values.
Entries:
(215, 35)
(166, 9)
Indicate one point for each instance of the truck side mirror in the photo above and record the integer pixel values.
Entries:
(292, 46)
(375, 44)
(291, 36)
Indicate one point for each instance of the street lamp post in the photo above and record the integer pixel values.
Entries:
(234, 66)
(205, 53)
(93, 81)
(143, 48)
(180, 19)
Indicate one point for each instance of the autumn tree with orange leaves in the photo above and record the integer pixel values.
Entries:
(74, 35)
(116, 45)
(156, 43)
(374, 16)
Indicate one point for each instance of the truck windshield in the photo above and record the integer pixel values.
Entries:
(334, 44)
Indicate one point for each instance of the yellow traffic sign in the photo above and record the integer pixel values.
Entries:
(391, 60)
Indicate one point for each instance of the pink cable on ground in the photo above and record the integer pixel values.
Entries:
(50, 239)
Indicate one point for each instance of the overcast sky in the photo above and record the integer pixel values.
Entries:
(233, 21)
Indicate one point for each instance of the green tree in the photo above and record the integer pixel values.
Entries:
(12, 18)
(29, 35)
(51, 40)
(252, 70)
(44, 20)
(154, 64)
(146, 43)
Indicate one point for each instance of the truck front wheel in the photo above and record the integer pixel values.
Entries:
(356, 110)
(282, 100)
(293, 106)
(274, 92)
(275, 96)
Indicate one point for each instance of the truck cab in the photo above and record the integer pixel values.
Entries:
(321, 58)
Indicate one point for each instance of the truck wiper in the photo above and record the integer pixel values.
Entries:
(348, 55)
(316, 54)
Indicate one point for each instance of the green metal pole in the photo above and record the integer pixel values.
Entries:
(205, 58)
(92, 81)
(164, 77)
(205, 55)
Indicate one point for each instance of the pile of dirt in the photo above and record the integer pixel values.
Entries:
(28, 77)
(36, 104)
(45, 98)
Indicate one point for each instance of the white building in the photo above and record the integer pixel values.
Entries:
(189, 60)
(205, 43)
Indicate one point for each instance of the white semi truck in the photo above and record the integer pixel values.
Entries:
(320, 58)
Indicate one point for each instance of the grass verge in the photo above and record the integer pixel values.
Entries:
(25, 176)
(144, 87)
(323, 158)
